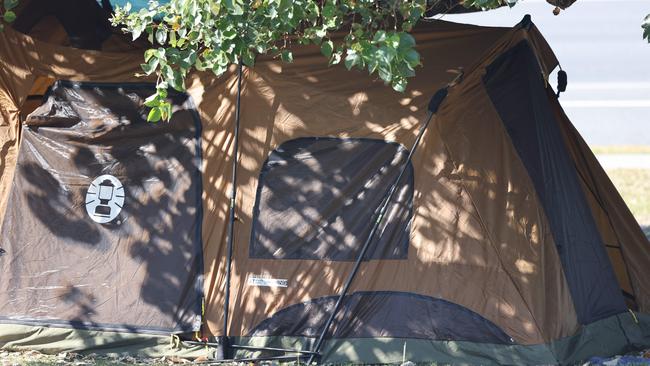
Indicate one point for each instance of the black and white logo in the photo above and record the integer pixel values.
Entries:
(105, 199)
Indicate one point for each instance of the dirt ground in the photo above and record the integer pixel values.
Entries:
(33, 358)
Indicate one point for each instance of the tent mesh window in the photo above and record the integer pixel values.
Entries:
(317, 198)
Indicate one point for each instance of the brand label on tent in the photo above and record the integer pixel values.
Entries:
(104, 199)
(264, 281)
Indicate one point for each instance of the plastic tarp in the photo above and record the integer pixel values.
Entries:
(103, 223)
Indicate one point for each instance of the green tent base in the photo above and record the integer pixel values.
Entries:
(52, 340)
(614, 335)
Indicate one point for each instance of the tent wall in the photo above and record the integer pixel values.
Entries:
(23, 60)
(140, 271)
(306, 101)
(627, 245)
(518, 93)
(480, 238)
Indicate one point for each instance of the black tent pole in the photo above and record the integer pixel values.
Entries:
(231, 219)
(433, 108)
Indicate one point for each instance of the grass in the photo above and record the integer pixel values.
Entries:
(33, 358)
(623, 149)
(634, 186)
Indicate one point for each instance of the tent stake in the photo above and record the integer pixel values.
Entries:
(433, 108)
(231, 219)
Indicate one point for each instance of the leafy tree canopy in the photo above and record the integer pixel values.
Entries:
(212, 34)
(186, 35)
(8, 14)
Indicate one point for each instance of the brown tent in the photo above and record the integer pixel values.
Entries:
(504, 241)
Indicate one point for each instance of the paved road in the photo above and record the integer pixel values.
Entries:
(598, 43)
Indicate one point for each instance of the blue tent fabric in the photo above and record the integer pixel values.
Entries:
(619, 361)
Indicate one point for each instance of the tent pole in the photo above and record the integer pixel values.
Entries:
(231, 219)
(433, 108)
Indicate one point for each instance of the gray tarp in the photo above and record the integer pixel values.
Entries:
(141, 269)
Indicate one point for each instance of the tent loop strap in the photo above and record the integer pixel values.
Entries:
(233, 196)
(434, 105)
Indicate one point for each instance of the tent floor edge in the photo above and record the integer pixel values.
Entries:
(53, 340)
(603, 338)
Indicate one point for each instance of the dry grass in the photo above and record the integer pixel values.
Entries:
(634, 186)
(627, 149)
(33, 358)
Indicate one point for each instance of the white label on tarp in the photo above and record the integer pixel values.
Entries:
(265, 281)
(104, 199)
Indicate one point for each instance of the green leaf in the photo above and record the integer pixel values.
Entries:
(155, 114)
(248, 58)
(373, 64)
(176, 80)
(336, 58)
(384, 55)
(9, 16)
(399, 84)
(137, 29)
(172, 38)
(148, 54)
(329, 10)
(165, 110)
(152, 101)
(234, 7)
(352, 59)
(287, 56)
(406, 40)
(379, 37)
(327, 48)
(161, 35)
(385, 74)
(150, 66)
(10, 4)
(219, 69)
(412, 57)
(229, 33)
(394, 40)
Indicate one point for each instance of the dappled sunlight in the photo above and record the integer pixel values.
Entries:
(143, 261)
(448, 233)
(477, 242)
(445, 219)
